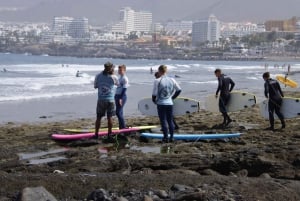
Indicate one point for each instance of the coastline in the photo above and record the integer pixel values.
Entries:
(260, 165)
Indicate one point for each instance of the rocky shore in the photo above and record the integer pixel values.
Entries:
(260, 165)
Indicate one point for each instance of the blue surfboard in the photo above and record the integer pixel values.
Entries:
(193, 136)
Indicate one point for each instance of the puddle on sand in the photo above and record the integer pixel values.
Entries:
(147, 149)
(42, 156)
(24, 156)
(103, 151)
(45, 160)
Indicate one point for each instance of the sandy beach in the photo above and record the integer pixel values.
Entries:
(260, 165)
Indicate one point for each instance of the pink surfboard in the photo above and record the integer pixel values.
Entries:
(79, 136)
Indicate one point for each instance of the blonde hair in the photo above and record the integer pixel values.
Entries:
(162, 69)
(122, 66)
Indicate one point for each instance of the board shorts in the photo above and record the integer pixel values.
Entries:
(105, 108)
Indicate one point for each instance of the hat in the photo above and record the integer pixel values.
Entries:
(108, 65)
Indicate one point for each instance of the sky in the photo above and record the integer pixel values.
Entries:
(101, 12)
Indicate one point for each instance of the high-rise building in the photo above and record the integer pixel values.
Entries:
(207, 30)
(67, 30)
(133, 21)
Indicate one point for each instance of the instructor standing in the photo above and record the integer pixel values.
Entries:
(106, 83)
(165, 90)
(274, 94)
(225, 86)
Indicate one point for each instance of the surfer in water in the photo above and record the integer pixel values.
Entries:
(106, 83)
(274, 93)
(165, 89)
(120, 97)
(225, 86)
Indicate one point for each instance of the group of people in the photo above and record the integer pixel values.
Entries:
(112, 98)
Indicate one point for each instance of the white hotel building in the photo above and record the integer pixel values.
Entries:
(67, 30)
(207, 30)
(133, 21)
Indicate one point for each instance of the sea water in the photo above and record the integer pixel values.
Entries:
(41, 88)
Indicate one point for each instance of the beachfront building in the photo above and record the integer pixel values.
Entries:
(207, 30)
(239, 29)
(133, 21)
(297, 34)
(184, 26)
(67, 30)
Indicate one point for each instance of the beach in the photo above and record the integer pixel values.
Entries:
(259, 165)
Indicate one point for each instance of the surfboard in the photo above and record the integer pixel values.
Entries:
(193, 136)
(79, 136)
(290, 108)
(90, 130)
(181, 106)
(286, 81)
(238, 101)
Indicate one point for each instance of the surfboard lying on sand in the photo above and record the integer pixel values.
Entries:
(80, 136)
(290, 108)
(181, 106)
(192, 136)
(90, 130)
(286, 81)
(238, 101)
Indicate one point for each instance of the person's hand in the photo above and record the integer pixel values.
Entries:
(120, 102)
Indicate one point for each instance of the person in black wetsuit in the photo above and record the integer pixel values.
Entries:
(274, 93)
(225, 86)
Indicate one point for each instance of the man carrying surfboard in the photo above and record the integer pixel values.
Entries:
(274, 93)
(106, 83)
(165, 89)
(225, 86)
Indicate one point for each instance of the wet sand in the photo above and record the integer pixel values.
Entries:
(260, 165)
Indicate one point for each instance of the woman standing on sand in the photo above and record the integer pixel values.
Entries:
(165, 90)
(121, 97)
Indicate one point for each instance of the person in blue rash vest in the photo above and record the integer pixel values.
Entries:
(106, 83)
(225, 86)
(121, 97)
(165, 89)
(274, 93)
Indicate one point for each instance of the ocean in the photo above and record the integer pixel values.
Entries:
(45, 88)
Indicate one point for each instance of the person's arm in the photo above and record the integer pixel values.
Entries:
(177, 89)
(219, 86)
(232, 84)
(176, 94)
(266, 90)
(154, 91)
(96, 82)
(279, 89)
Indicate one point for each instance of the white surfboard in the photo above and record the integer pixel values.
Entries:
(290, 108)
(181, 106)
(238, 101)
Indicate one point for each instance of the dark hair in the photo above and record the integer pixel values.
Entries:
(156, 74)
(218, 70)
(266, 75)
(122, 66)
(108, 65)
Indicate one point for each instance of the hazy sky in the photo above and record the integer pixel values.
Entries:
(106, 11)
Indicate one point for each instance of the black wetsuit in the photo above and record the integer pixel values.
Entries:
(225, 86)
(274, 93)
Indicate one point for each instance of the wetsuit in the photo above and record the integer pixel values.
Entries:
(274, 93)
(225, 86)
(121, 94)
